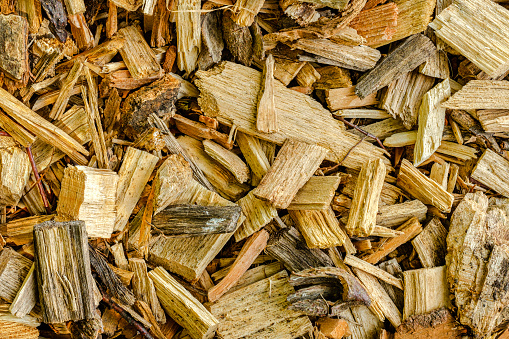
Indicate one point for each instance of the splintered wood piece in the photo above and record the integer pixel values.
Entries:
(266, 116)
(41, 128)
(464, 25)
(26, 297)
(248, 307)
(188, 257)
(13, 270)
(251, 249)
(134, 173)
(426, 290)
(343, 98)
(137, 54)
(256, 158)
(362, 216)
(453, 177)
(334, 328)
(397, 214)
(294, 165)
(256, 274)
(410, 229)
(228, 159)
(419, 186)
(403, 96)
(436, 324)
(316, 194)
(404, 58)
(437, 65)
(389, 196)
(192, 220)
(246, 10)
(118, 255)
(492, 171)
(481, 94)
(159, 97)
(286, 70)
(307, 76)
(494, 120)
(258, 214)
(358, 58)
(111, 21)
(199, 130)
(401, 139)
(80, 31)
(14, 42)
(171, 179)
(181, 306)
(321, 229)
(16, 330)
(379, 297)
(89, 194)
(362, 265)
(143, 288)
(289, 247)
(380, 129)
(362, 321)
(440, 173)
(299, 116)
(462, 152)
(332, 77)
(188, 23)
(18, 132)
(129, 5)
(430, 244)
(377, 24)
(15, 171)
(212, 38)
(20, 231)
(66, 90)
(62, 262)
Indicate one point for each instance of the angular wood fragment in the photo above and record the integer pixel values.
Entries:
(258, 214)
(16, 330)
(377, 24)
(363, 323)
(228, 159)
(199, 130)
(389, 195)
(62, 262)
(362, 265)
(436, 324)
(253, 303)
(480, 94)
(14, 171)
(463, 26)
(245, 11)
(20, 231)
(282, 182)
(344, 98)
(461, 152)
(440, 173)
(26, 297)
(381, 129)
(14, 42)
(307, 76)
(212, 38)
(188, 34)
(430, 244)
(403, 97)
(286, 70)
(407, 56)
(89, 194)
(192, 220)
(134, 173)
(419, 186)
(321, 229)
(255, 156)
(397, 214)
(118, 254)
(333, 328)
(492, 170)
(80, 31)
(437, 65)
(410, 229)
(453, 176)
(494, 120)
(238, 103)
(66, 90)
(332, 77)
(426, 290)
(129, 5)
(266, 117)
(362, 113)
(13, 270)
(362, 217)
(316, 194)
(182, 306)
(137, 55)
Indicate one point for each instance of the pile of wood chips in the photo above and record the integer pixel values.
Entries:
(256, 169)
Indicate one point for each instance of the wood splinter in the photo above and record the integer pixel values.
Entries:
(266, 118)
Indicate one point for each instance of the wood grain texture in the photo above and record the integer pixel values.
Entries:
(377, 24)
(14, 171)
(480, 94)
(266, 117)
(492, 170)
(137, 55)
(317, 193)
(228, 159)
(430, 244)
(320, 228)
(13, 270)
(258, 214)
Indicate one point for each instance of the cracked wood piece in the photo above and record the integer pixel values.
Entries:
(440, 173)
(389, 195)
(80, 31)
(358, 58)
(481, 94)
(321, 229)
(419, 186)
(15, 130)
(248, 307)
(228, 159)
(410, 229)
(20, 231)
(379, 297)
(437, 65)
(187, 19)
(377, 24)
(343, 98)
(462, 152)
(212, 38)
(89, 194)
(362, 322)
(111, 21)
(430, 244)
(229, 92)
(134, 174)
(363, 211)
(181, 306)
(31, 10)
(426, 290)
(193, 220)
(255, 156)
(492, 171)
(404, 58)
(316, 194)
(494, 120)
(256, 274)
(402, 97)
(258, 214)
(289, 247)
(436, 324)
(453, 177)
(62, 262)
(66, 90)
(14, 47)
(15, 171)
(143, 288)
(381, 129)
(332, 77)
(245, 11)
(303, 13)
(307, 76)
(250, 250)
(464, 25)
(286, 70)
(397, 214)
(199, 130)
(294, 165)
(13, 270)
(362, 265)
(26, 296)
(118, 255)
(266, 116)
(137, 54)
